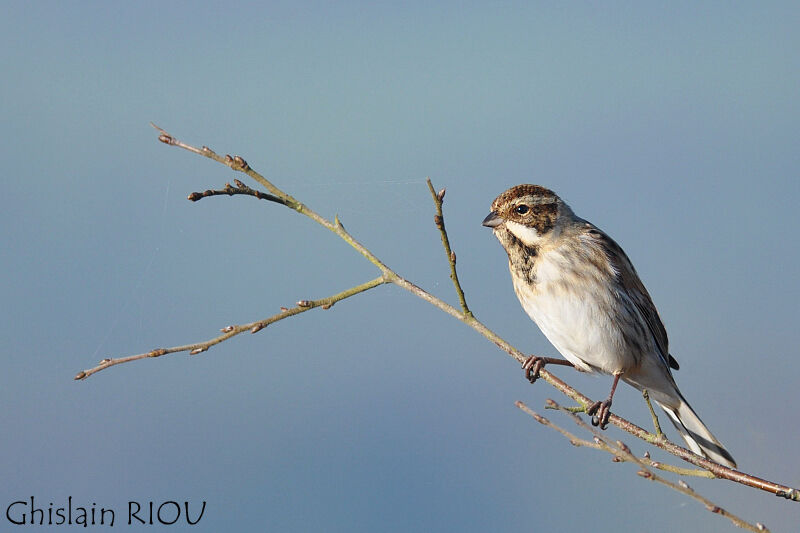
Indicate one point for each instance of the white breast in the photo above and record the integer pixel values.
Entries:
(576, 314)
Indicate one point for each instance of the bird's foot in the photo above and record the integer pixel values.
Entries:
(532, 366)
(600, 412)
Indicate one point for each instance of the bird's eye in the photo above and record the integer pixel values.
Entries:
(521, 209)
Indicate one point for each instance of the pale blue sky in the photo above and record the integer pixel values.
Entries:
(673, 127)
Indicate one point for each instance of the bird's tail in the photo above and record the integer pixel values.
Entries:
(696, 434)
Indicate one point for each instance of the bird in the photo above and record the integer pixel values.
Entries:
(579, 287)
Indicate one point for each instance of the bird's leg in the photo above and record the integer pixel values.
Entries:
(533, 365)
(600, 411)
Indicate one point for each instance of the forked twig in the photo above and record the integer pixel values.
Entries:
(622, 453)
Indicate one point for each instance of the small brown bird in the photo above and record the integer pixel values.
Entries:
(582, 291)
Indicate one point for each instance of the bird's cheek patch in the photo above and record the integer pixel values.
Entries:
(527, 234)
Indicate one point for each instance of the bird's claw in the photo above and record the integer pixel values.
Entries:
(532, 366)
(600, 413)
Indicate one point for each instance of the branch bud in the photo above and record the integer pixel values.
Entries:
(714, 508)
(197, 351)
(453, 257)
(304, 303)
(440, 194)
(166, 139)
(227, 329)
(158, 352)
(80, 375)
(195, 196)
(105, 361)
(645, 474)
(684, 485)
(437, 220)
(256, 328)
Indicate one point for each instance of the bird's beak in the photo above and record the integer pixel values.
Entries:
(493, 220)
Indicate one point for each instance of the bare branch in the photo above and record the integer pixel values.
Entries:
(717, 469)
(622, 453)
(550, 404)
(389, 276)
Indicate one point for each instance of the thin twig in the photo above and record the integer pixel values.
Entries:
(550, 404)
(717, 469)
(574, 440)
(240, 165)
(647, 474)
(230, 190)
(656, 424)
(576, 409)
(389, 276)
(622, 453)
(231, 331)
(438, 219)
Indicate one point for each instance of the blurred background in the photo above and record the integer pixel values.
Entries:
(674, 127)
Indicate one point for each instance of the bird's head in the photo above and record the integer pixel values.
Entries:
(530, 213)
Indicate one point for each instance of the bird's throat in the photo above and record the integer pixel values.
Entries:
(521, 257)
